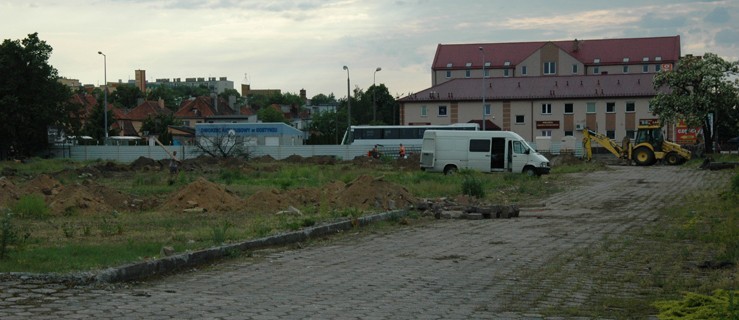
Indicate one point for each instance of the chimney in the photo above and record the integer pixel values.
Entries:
(303, 96)
(161, 103)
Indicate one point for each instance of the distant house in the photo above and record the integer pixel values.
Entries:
(199, 109)
(129, 122)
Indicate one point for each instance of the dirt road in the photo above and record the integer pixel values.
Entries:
(523, 268)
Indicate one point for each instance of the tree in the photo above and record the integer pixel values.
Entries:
(699, 89)
(270, 114)
(325, 128)
(227, 93)
(323, 100)
(31, 98)
(158, 125)
(126, 96)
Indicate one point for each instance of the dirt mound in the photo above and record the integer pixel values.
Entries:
(77, 199)
(43, 185)
(266, 158)
(367, 192)
(294, 159)
(8, 192)
(204, 194)
(143, 163)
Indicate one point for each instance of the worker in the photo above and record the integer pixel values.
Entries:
(402, 151)
(374, 153)
(173, 163)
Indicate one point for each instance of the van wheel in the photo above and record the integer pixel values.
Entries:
(529, 171)
(450, 170)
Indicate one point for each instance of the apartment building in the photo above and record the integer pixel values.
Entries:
(551, 88)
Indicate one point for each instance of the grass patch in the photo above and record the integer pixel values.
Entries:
(74, 241)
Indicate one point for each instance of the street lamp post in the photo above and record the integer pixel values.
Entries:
(105, 94)
(483, 88)
(374, 95)
(348, 101)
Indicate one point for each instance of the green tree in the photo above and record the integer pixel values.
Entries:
(126, 96)
(326, 128)
(31, 98)
(323, 100)
(697, 88)
(166, 93)
(270, 114)
(158, 125)
(227, 93)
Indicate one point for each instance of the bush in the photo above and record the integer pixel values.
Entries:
(8, 234)
(31, 206)
(471, 186)
(735, 183)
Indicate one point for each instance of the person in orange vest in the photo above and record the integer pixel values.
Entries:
(402, 151)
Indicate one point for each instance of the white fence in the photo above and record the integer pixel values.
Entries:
(128, 154)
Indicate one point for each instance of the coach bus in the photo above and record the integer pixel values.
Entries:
(395, 135)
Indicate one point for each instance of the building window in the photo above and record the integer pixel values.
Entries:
(186, 123)
(546, 108)
(631, 134)
(488, 110)
(550, 67)
(467, 73)
(657, 67)
(442, 111)
(546, 133)
(611, 134)
(630, 107)
(569, 133)
(569, 108)
(424, 111)
(596, 70)
(487, 73)
(626, 69)
(448, 73)
(590, 107)
(520, 119)
(574, 68)
(610, 107)
(645, 68)
(523, 70)
(506, 73)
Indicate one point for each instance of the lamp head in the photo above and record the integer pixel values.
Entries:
(100, 52)
(345, 68)
(378, 69)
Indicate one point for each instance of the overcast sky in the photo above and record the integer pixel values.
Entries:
(303, 44)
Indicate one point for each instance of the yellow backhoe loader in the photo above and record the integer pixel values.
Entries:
(648, 148)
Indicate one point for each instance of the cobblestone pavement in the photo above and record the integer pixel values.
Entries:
(446, 269)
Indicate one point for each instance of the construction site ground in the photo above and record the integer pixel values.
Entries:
(560, 259)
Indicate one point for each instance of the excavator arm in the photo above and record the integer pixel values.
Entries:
(589, 136)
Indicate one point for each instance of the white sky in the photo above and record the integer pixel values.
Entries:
(303, 44)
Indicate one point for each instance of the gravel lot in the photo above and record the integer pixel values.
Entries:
(523, 268)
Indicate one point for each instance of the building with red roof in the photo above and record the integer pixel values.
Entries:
(546, 88)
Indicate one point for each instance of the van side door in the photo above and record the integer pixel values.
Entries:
(519, 156)
(478, 155)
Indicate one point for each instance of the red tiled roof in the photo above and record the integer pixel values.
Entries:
(146, 110)
(88, 103)
(204, 107)
(564, 87)
(609, 51)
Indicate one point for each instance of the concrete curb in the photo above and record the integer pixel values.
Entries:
(145, 269)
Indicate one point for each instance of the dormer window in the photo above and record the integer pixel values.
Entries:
(468, 64)
(448, 65)
(626, 60)
(597, 60)
(657, 58)
(645, 59)
(487, 64)
(507, 63)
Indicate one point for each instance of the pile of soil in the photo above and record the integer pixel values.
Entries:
(367, 192)
(364, 193)
(8, 192)
(204, 194)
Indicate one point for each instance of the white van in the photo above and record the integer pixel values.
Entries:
(487, 151)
